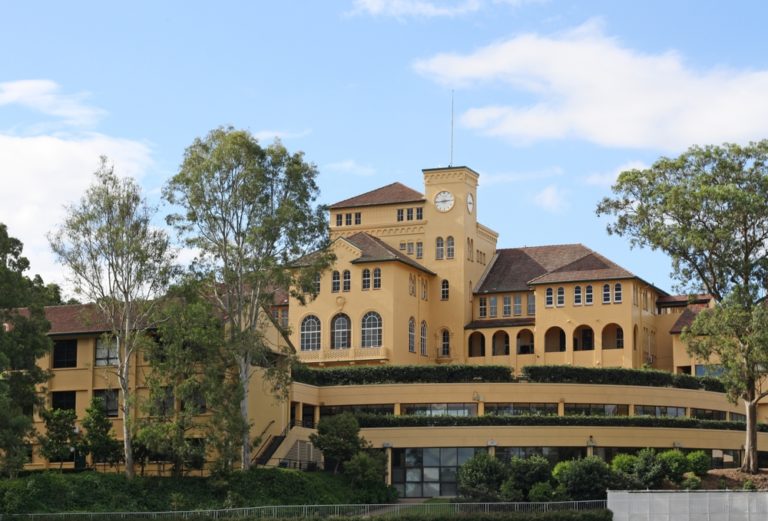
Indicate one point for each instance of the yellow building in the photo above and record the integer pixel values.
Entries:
(419, 281)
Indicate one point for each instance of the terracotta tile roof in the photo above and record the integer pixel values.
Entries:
(511, 270)
(686, 319)
(373, 249)
(391, 194)
(501, 322)
(671, 301)
(280, 297)
(73, 319)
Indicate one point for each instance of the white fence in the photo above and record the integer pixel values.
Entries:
(318, 511)
(695, 505)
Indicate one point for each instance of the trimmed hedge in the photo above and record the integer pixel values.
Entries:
(376, 420)
(618, 376)
(391, 374)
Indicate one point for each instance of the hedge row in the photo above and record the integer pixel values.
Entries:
(618, 376)
(390, 374)
(560, 515)
(376, 420)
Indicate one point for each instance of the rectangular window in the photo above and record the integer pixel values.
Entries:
(492, 307)
(409, 249)
(109, 396)
(399, 214)
(409, 214)
(531, 304)
(660, 411)
(64, 353)
(507, 311)
(402, 246)
(339, 219)
(64, 400)
(358, 218)
(708, 414)
(106, 351)
(419, 250)
(518, 305)
(348, 219)
(595, 409)
(163, 404)
(284, 317)
(483, 307)
(419, 214)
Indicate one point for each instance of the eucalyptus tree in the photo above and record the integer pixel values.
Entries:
(120, 262)
(708, 210)
(249, 213)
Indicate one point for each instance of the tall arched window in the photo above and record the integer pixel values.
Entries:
(317, 283)
(411, 335)
(560, 296)
(335, 282)
(423, 340)
(449, 247)
(549, 299)
(376, 278)
(588, 295)
(445, 344)
(439, 248)
(347, 281)
(444, 290)
(577, 296)
(366, 279)
(606, 293)
(341, 332)
(617, 293)
(371, 330)
(310, 333)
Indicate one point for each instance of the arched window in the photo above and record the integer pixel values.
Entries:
(335, 282)
(411, 335)
(577, 296)
(617, 293)
(449, 247)
(445, 345)
(310, 333)
(588, 295)
(423, 339)
(444, 290)
(469, 249)
(371, 330)
(341, 332)
(347, 281)
(549, 300)
(439, 248)
(560, 296)
(317, 283)
(606, 293)
(366, 279)
(377, 278)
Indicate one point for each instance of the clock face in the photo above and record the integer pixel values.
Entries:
(470, 203)
(444, 201)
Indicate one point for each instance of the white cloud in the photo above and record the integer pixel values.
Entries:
(40, 173)
(552, 199)
(518, 177)
(608, 178)
(415, 8)
(589, 86)
(44, 96)
(270, 135)
(351, 167)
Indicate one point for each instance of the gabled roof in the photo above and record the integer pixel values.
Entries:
(373, 249)
(73, 319)
(516, 269)
(686, 319)
(394, 193)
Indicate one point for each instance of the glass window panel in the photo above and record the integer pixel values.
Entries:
(448, 490)
(413, 490)
(431, 457)
(431, 489)
(413, 457)
(413, 474)
(448, 474)
(465, 454)
(431, 473)
(448, 457)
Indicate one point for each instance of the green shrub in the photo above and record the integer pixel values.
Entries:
(624, 463)
(481, 476)
(699, 462)
(691, 482)
(649, 471)
(527, 471)
(618, 376)
(749, 485)
(510, 493)
(387, 374)
(584, 479)
(544, 492)
(675, 465)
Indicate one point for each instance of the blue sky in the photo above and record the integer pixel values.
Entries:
(552, 98)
